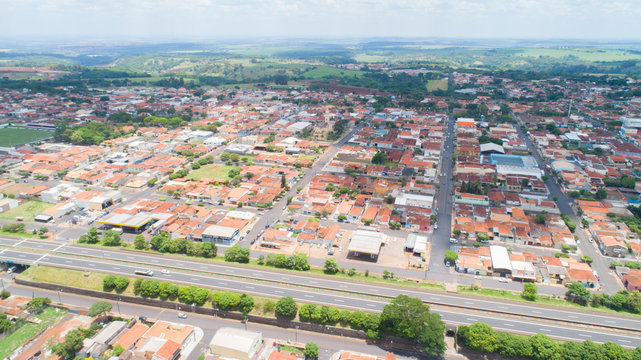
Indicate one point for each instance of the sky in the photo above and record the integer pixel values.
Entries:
(229, 19)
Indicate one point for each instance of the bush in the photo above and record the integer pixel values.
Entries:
(237, 254)
(286, 308)
(4, 294)
(14, 228)
(529, 291)
(311, 351)
(99, 308)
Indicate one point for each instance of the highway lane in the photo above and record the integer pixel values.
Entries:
(529, 326)
(319, 283)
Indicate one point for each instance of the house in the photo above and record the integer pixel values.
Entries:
(612, 246)
(231, 343)
(632, 280)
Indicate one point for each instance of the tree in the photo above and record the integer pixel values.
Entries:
(331, 266)
(451, 256)
(37, 303)
(99, 308)
(109, 282)
(111, 238)
(140, 243)
(5, 323)
(299, 262)
(578, 293)
(286, 308)
(4, 294)
(91, 237)
(208, 250)
(478, 337)
(245, 304)
(379, 157)
(121, 283)
(540, 219)
(587, 259)
(410, 318)
(311, 351)
(513, 345)
(225, 300)
(529, 291)
(544, 348)
(601, 194)
(72, 344)
(238, 254)
(283, 181)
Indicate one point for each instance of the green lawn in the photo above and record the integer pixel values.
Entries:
(212, 171)
(10, 137)
(433, 85)
(26, 210)
(49, 316)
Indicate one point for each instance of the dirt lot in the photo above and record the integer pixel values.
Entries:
(54, 335)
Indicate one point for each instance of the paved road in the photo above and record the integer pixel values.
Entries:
(328, 344)
(440, 238)
(458, 316)
(609, 284)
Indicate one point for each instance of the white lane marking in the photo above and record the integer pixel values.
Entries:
(40, 258)
(90, 264)
(309, 296)
(536, 312)
(468, 302)
(472, 319)
(610, 322)
(505, 324)
(229, 270)
(370, 305)
(585, 335)
(222, 283)
(130, 258)
(573, 317)
(339, 300)
(249, 287)
(279, 292)
(68, 261)
(195, 279)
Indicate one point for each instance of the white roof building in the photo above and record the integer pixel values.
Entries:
(233, 343)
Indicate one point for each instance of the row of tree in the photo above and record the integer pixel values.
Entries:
(623, 300)
(481, 337)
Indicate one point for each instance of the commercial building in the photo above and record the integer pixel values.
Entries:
(220, 235)
(132, 223)
(501, 264)
(366, 243)
(233, 343)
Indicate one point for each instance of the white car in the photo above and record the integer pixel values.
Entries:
(182, 315)
(478, 277)
(503, 280)
(164, 271)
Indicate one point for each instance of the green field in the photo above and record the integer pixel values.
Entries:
(211, 171)
(433, 85)
(27, 210)
(589, 55)
(48, 317)
(10, 137)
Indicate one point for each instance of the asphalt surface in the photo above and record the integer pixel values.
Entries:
(456, 316)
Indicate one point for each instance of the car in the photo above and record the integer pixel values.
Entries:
(330, 251)
(378, 230)
(503, 280)
(165, 271)
(453, 240)
(478, 277)
(435, 226)
(182, 315)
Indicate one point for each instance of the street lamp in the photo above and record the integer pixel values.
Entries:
(296, 333)
(118, 304)
(59, 298)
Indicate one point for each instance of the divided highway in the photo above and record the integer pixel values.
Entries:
(311, 289)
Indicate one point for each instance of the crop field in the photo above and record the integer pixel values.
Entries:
(10, 137)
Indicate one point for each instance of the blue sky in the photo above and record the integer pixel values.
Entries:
(221, 19)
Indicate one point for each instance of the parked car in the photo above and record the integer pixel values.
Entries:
(503, 280)
(330, 251)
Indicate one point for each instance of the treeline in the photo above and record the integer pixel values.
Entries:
(92, 133)
(401, 84)
(623, 300)
(482, 338)
(170, 121)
